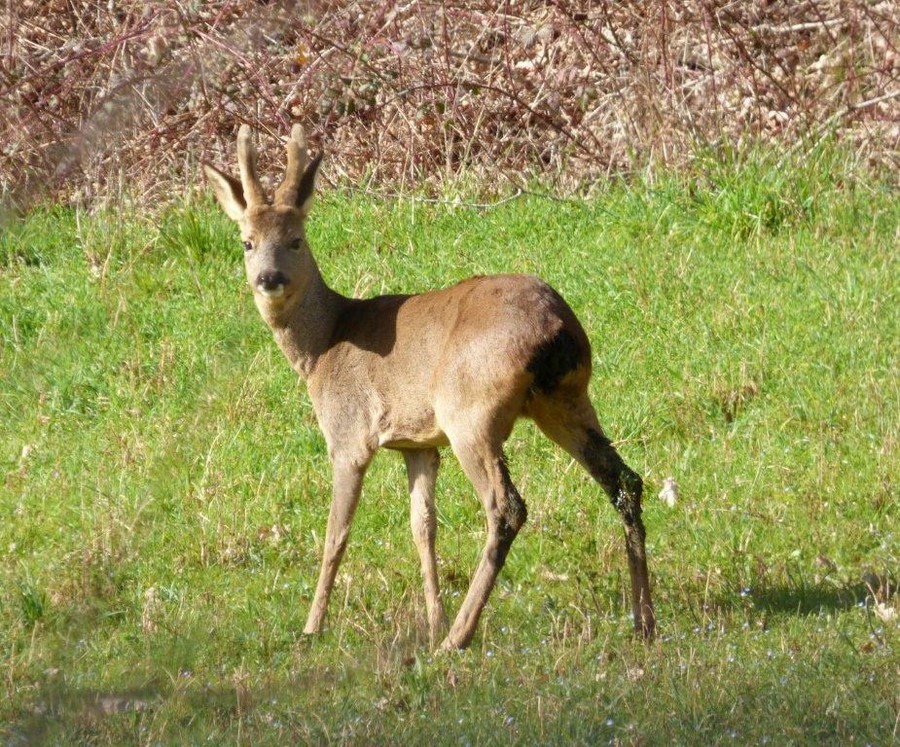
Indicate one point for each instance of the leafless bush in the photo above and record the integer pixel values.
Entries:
(98, 97)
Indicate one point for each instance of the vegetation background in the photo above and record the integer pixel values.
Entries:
(711, 185)
(100, 96)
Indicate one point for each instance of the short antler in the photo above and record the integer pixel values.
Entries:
(286, 194)
(253, 191)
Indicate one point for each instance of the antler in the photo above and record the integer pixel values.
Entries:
(286, 194)
(253, 191)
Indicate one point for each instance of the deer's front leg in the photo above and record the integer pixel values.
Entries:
(347, 484)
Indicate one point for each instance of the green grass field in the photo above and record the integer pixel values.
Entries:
(164, 485)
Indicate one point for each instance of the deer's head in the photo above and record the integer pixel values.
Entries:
(276, 256)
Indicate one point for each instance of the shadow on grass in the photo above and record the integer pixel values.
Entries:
(807, 599)
(61, 710)
(72, 714)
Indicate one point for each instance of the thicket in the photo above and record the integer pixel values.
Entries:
(101, 96)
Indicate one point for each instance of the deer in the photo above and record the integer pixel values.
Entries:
(414, 373)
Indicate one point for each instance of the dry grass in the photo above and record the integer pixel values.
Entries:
(99, 95)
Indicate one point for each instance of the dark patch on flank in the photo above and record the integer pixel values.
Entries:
(553, 360)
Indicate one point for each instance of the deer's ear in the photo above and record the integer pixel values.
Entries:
(307, 188)
(228, 191)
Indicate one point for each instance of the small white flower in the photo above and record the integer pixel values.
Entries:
(26, 452)
(669, 492)
(884, 613)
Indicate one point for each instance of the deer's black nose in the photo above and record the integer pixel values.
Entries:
(271, 280)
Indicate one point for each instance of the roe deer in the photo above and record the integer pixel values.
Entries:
(456, 366)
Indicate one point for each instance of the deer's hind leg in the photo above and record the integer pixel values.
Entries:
(478, 444)
(422, 467)
(569, 419)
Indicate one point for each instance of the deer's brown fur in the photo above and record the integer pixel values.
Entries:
(453, 367)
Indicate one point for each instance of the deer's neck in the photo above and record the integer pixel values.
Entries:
(304, 331)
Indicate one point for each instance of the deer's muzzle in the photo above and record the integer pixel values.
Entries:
(271, 284)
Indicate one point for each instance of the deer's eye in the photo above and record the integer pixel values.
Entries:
(247, 246)
(296, 244)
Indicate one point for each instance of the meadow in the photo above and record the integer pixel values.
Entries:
(165, 487)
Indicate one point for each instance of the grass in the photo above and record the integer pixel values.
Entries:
(165, 486)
